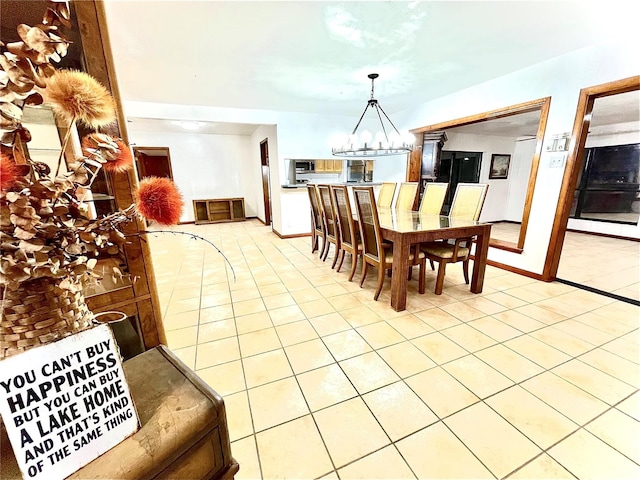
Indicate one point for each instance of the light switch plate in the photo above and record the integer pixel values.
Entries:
(556, 160)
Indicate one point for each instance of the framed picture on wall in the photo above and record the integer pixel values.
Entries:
(499, 166)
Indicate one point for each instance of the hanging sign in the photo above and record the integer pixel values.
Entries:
(66, 403)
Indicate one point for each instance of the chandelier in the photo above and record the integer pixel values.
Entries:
(387, 141)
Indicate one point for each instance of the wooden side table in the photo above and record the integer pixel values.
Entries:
(183, 431)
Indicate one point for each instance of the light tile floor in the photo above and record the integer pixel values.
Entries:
(608, 264)
(526, 380)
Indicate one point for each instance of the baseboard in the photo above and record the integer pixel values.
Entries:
(296, 235)
(519, 271)
(504, 245)
(507, 221)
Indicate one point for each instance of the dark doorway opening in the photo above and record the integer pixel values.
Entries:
(458, 167)
(153, 162)
(266, 192)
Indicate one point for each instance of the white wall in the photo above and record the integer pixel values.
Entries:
(519, 173)
(306, 136)
(256, 195)
(495, 203)
(205, 166)
(291, 135)
(560, 78)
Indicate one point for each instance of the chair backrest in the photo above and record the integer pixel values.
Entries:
(468, 200)
(387, 191)
(433, 198)
(316, 209)
(407, 195)
(368, 221)
(344, 214)
(328, 211)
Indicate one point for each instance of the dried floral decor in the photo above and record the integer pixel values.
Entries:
(49, 244)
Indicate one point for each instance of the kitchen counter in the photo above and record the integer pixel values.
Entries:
(348, 184)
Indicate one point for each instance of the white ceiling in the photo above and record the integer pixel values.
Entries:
(314, 56)
(519, 125)
(216, 128)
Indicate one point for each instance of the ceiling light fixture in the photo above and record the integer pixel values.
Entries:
(385, 142)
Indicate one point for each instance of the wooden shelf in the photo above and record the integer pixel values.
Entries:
(218, 210)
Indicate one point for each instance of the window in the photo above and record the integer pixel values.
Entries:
(608, 187)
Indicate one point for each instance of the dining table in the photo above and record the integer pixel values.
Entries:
(408, 227)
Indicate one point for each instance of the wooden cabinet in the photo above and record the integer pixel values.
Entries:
(183, 428)
(218, 210)
(328, 166)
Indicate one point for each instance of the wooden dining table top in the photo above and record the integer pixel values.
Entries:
(408, 227)
(405, 221)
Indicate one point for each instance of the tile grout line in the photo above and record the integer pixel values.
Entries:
(386, 320)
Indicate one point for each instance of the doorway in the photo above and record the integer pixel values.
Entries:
(266, 192)
(526, 120)
(458, 167)
(153, 162)
(594, 242)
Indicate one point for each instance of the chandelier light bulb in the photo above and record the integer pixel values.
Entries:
(395, 139)
(408, 138)
(365, 137)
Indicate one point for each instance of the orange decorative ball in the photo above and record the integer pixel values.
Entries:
(158, 199)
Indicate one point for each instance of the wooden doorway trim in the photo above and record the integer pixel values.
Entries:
(137, 150)
(572, 169)
(264, 167)
(542, 104)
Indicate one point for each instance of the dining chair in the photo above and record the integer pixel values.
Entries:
(407, 196)
(374, 251)
(349, 236)
(329, 217)
(468, 200)
(433, 198)
(467, 204)
(317, 223)
(387, 191)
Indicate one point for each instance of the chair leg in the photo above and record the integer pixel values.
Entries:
(314, 241)
(431, 262)
(380, 282)
(422, 272)
(354, 264)
(327, 244)
(342, 252)
(325, 248)
(335, 257)
(410, 272)
(440, 278)
(365, 266)
(465, 271)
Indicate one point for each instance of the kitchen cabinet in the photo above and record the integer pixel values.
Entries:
(328, 166)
